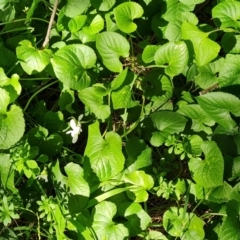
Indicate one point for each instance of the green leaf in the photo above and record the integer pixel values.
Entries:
(226, 14)
(230, 227)
(138, 219)
(205, 49)
(230, 43)
(74, 8)
(4, 102)
(66, 100)
(12, 127)
(191, 2)
(155, 235)
(125, 13)
(13, 86)
(185, 225)
(92, 98)
(220, 194)
(75, 24)
(103, 225)
(106, 157)
(173, 29)
(169, 122)
(174, 56)
(111, 46)
(200, 120)
(103, 5)
(96, 24)
(218, 105)
(158, 138)
(139, 182)
(119, 80)
(207, 74)
(138, 157)
(209, 172)
(174, 9)
(122, 98)
(70, 64)
(149, 52)
(31, 59)
(7, 172)
(7, 58)
(230, 70)
(76, 183)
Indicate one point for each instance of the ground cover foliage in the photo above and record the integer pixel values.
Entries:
(119, 119)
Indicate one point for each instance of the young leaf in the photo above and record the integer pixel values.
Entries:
(103, 224)
(187, 226)
(174, 55)
(106, 157)
(70, 64)
(31, 59)
(139, 182)
(209, 172)
(111, 46)
(227, 13)
(218, 105)
(205, 48)
(125, 13)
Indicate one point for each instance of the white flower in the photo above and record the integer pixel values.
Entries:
(76, 130)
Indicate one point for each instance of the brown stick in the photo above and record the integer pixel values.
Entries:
(209, 89)
(47, 38)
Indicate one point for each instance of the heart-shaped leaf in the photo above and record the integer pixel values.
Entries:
(226, 14)
(111, 46)
(70, 64)
(103, 224)
(174, 56)
(125, 13)
(32, 59)
(208, 172)
(106, 157)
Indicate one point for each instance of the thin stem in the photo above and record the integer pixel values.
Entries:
(47, 38)
(36, 93)
(23, 19)
(17, 29)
